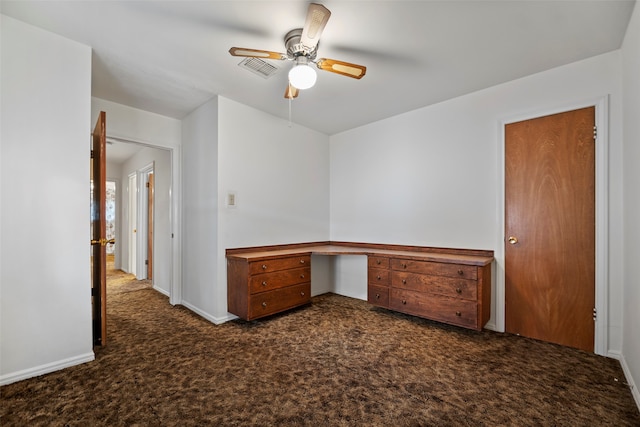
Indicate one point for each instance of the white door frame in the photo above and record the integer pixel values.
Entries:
(602, 216)
(132, 222)
(143, 232)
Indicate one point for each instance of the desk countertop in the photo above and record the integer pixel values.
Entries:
(423, 254)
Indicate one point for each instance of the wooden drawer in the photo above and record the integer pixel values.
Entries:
(436, 307)
(276, 264)
(277, 300)
(378, 295)
(378, 277)
(453, 287)
(279, 279)
(435, 268)
(377, 262)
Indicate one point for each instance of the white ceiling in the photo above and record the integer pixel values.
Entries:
(169, 57)
(119, 151)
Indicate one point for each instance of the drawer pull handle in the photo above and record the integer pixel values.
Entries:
(379, 277)
(458, 290)
(404, 301)
(264, 304)
(301, 293)
(404, 281)
(460, 272)
(301, 261)
(264, 266)
(458, 314)
(377, 296)
(302, 276)
(404, 265)
(378, 262)
(264, 283)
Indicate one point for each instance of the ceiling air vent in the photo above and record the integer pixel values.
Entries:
(259, 67)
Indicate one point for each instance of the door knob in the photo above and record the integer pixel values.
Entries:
(513, 240)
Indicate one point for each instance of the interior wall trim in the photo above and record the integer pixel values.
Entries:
(46, 368)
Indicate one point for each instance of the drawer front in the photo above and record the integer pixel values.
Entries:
(378, 277)
(457, 288)
(279, 279)
(277, 300)
(435, 268)
(377, 262)
(277, 264)
(435, 307)
(378, 295)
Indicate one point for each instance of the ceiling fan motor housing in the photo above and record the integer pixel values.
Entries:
(296, 49)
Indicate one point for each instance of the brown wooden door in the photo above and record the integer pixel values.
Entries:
(99, 231)
(550, 228)
(150, 189)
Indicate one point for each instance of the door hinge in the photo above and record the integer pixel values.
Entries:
(595, 133)
(595, 313)
(146, 262)
(92, 154)
(147, 185)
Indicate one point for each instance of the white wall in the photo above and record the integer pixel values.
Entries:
(280, 176)
(432, 176)
(200, 209)
(138, 125)
(631, 103)
(161, 159)
(152, 130)
(45, 283)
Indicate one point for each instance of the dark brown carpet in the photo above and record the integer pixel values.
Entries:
(337, 362)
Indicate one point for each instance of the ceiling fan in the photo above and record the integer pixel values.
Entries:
(302, 48)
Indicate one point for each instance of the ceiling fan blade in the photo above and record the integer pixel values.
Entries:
(255, 53)
(345, 68)
(317, 17)
(291, 92)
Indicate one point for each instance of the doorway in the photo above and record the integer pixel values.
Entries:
(118, 280)
(145, 213)
(144, 218)
(132, 220)
(550, 228)
(110, 218)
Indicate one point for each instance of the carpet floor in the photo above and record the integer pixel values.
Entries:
(119, 282)
(336, 362)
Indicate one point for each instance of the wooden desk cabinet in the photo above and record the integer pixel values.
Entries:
(378, 279)
(454, 293)
(263, 287)
(457, 294)
(447, 285)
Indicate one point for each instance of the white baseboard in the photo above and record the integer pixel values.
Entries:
(630, 380)
(491, 326)
(162, 291)
(46, 368)
(209, 317)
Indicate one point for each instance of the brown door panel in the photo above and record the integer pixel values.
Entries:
(550, 228)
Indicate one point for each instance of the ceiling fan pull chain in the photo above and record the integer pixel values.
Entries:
(290, 123)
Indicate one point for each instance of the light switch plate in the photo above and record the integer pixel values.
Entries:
(231, 199)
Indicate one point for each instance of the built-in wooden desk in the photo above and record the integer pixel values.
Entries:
(447, 285)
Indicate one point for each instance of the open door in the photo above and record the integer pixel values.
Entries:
(99, 232)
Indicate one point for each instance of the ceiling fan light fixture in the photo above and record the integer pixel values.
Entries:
(302, 76)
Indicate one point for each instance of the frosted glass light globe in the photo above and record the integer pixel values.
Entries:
(302, 76)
